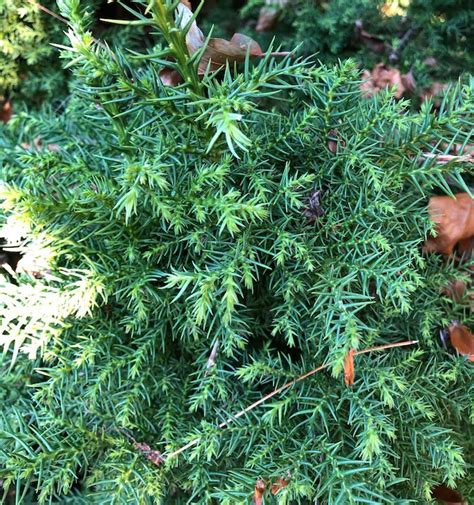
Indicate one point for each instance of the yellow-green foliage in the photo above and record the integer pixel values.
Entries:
(22, 40)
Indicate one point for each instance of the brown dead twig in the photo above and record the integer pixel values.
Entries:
(442, 159)
(230, 420)
(49, 12)
(411, 33)
(60, 18)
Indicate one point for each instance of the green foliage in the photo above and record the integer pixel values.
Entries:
(444, 31)
(177, 218)
(22, 40)
(31, 72)
(27, 59)
(326, 28)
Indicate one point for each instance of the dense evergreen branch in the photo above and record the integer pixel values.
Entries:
(267, 211)
(277, 391)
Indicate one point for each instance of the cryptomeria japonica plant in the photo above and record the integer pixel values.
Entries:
(204, 224)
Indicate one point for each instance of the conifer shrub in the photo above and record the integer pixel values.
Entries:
(186, 249)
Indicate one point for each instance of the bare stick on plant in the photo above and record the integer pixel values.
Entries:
(230, 420)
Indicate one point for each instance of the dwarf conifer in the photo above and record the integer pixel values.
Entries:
(188, 248)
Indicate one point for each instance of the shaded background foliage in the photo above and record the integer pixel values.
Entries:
(441, 50)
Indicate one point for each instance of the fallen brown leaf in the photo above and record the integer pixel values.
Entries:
(434, 91)
(154, 456)
(38, 146)
(408, 81)
(315, 209)
(278, 485)
(335, 140)
(349, 370)
(382, 77)
(455, 290)
(6, 111)
(170, 77)
(260, 487)
(367, 85)
(448, 496)
(462, 339)
(454, 218)
(267, 19)
(466, 246)
(373, 42)
(270, 14)
(218, 52)
(194, 37)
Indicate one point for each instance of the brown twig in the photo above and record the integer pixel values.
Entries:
(442, 159)
(282, 388)
(49, 12)
(409, 34)
(66, 22)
